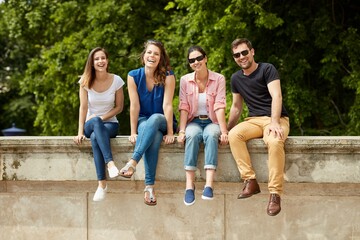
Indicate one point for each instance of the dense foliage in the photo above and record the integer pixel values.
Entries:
(44, 44)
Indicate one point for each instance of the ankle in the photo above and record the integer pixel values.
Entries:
(110, 164)
(190, 185)
(133, 162)
(102, 184)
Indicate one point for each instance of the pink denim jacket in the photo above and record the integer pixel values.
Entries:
(215, 95)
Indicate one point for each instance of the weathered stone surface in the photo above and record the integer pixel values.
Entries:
(301, 218)
(308, 159)
(43, 216)
(48, 183)
(65, 210)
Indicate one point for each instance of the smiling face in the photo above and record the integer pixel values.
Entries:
(152, 56)
(199, 60)
(245, 62)
(100, 61)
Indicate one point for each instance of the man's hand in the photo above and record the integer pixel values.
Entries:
(276, 129)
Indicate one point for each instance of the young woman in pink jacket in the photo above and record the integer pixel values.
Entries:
(202, 120)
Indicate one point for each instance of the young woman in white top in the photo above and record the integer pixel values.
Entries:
(101, 99)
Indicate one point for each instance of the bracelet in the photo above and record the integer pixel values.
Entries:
(182, 131)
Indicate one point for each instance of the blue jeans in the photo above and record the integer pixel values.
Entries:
(150, 135)
(198, 131)
(100, 133)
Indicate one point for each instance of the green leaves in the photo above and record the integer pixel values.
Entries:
(314, 45)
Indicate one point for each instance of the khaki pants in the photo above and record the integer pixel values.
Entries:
(255, 127)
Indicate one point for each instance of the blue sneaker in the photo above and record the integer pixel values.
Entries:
(207, 194)
(189, 198)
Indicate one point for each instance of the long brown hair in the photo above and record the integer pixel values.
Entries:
(164, 63)
(88, 76)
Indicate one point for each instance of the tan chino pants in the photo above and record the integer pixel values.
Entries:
(256, 127)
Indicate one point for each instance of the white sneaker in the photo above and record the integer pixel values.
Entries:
(113, 172)
(100, 194)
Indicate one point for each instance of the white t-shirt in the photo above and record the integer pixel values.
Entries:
(100, 103)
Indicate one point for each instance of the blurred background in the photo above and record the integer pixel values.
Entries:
(44, 44)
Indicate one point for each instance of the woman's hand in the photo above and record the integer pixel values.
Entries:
(181, 138)
(224, 139)
(78, 139)
(168, 139)
(132, 138)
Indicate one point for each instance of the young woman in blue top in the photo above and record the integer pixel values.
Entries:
(151, 91)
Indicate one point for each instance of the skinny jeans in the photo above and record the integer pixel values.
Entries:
(256, 127)
(100, 133)
(150, 135)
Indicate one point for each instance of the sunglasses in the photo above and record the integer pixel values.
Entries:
(199, 58)
(244, 53)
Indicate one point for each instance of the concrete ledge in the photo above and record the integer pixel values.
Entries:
(48, 184)
(308, 159)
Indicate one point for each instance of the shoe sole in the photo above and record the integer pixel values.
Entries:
(206, 198)
(273, 214)
(189, 204)
(150, 203)
(125, 176)
(247, 196)
(114, 176)
(98, 200)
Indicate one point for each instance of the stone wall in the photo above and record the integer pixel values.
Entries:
(47, 185)
(308, 159)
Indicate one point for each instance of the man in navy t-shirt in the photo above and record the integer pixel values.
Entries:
(258, 85)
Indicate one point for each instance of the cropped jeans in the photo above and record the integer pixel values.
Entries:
(150, 135)
(256, 127)
(100, 133)
(198, 131)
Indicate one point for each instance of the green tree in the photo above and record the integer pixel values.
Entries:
(71, 30)
(14, 107)
(315, 45)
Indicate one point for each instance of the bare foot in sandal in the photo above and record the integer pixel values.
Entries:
(149, 198)
(129, 169)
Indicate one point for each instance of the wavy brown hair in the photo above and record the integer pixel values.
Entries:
(88, 76)
(164, 63)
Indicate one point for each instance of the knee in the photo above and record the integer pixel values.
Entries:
(211, 136)
(274, 142)
(156, 117)
(235, 136)
(96, 121)
(193, 135)
(156, 120)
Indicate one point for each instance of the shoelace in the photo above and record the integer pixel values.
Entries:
(274, 198)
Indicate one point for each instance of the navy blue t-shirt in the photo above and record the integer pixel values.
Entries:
(253, 89)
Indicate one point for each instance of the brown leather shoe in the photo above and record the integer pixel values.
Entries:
(251, 187)
(274, 204)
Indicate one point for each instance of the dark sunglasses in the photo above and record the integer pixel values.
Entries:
(199, 58)
(244, 53)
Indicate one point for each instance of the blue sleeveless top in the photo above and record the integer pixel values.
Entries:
(150, 102)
